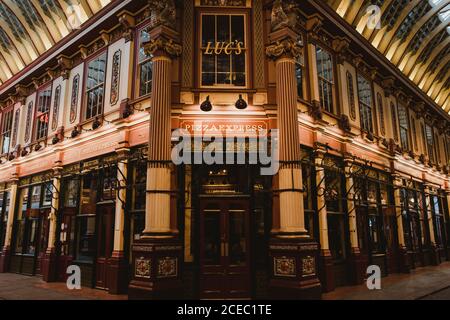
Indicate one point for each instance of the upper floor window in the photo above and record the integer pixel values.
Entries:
(223, 50)
(42, 113)
(95, 84)
(6, 131)
(145, 65)
(325, 74)
(404, 127)
(381, 114)
(394, 122)
(365, 103)
(299, 74)
(428, 134)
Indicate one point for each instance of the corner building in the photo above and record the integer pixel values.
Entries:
(90, 94)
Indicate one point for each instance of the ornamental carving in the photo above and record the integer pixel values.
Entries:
(168, 46)
(162, 12)
(28, 123)
(284, 47)
(308, 266)
(351, 96)
(223, 3)
(15, 128)
(167, 267)
(142, 268)
(115, 77)
(284, 267)
(56, 108)
(74, 98)
(284, 14)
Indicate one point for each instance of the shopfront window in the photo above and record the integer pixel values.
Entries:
(95, 83)
(145, 65)
(429, 140)
(42, 112)
(4, 209)
(109, 183)
(438, 220)
(223, 50)
(324, 62)
(47, 194)
(71, 193)
(335, 211)
(85, 220)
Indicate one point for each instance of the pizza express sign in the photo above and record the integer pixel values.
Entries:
(215, 48)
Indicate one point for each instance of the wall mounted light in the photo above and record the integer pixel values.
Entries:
(240, 103)
(96, 124)
(206, 105)
(74, 133)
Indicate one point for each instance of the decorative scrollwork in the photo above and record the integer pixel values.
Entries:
(168, 46)
(163, 12)
(284, 47)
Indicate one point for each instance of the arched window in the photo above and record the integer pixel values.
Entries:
(325, 74)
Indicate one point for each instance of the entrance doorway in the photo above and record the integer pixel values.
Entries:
(224, 247)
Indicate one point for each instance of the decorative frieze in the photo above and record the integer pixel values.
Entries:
(284, 14)
(162, 12)
(74, 98)
(223, 3)
(308, 266)
(28, 122)
(167, 267)
(115, 77)
(56, 108)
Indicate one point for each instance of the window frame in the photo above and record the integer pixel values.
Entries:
(85, 91)
(247, 48)
(334, 105)
(362, 105)
(402, 128)
(137, 83)
(46, 87)
(8, 110)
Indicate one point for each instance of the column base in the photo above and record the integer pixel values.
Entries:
(404, 260)
(356, 267)
(326, 271)
(294, 269)
(49, 266)
(5, 257)
(156, 269)
(117, 273)
(434, 254)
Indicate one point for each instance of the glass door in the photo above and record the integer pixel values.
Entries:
(224, 248)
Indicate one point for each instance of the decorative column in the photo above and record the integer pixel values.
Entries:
(326, 260)
(435, 259)
(6, 253)
(117, 264)
(356, 263)
(404, 259)
(293, 253)
(447, 217)
(157, 257)
(49, 259)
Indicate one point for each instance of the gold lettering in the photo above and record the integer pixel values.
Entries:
(209, 50)
(228, 49)
(239, 47)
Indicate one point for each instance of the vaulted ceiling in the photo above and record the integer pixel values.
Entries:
(413, 34)
(28, 28)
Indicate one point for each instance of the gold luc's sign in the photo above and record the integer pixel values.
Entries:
(234, 47)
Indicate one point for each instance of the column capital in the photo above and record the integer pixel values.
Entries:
(164, 42)
(284, 43)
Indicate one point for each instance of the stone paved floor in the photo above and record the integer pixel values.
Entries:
(428, 283)
(432, 283)
(20, 287)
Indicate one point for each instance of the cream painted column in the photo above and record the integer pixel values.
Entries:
(163, 50)
(12, 206)
(321, 203)
(54, 209)
(284, 52)
(398, 211)
(350, 195)
(121, 198)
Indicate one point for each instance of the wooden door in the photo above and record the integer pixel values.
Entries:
(44, 224)
(224, 248)
(105, 243)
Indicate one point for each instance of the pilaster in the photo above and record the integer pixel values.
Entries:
(6, 253)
